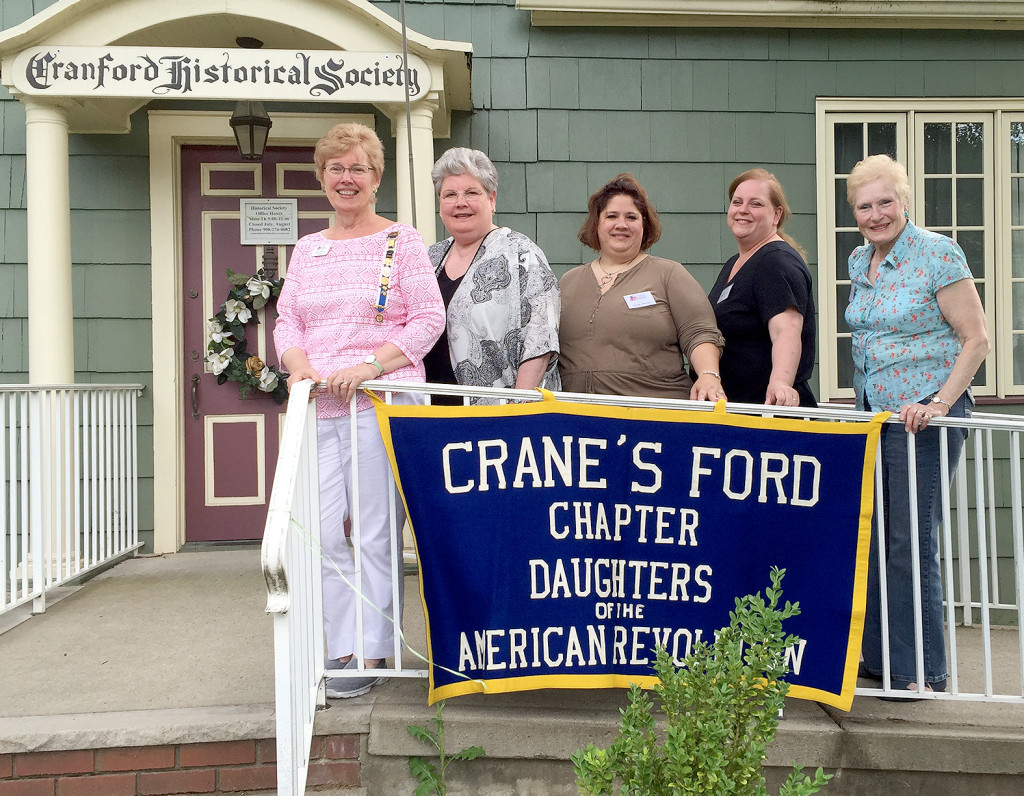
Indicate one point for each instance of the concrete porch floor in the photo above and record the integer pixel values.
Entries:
(178, 649)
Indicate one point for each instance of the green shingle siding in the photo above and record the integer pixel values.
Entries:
(560, 110)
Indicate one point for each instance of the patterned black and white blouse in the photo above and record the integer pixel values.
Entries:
(504, 312)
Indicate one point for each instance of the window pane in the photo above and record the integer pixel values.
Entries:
(844, 213)
(970, 210)
(1018, 359)
(1016, 201)
(969, 148)
(882, 139)
(844, 362)
(1017, 247)
(981, 377)
(938, 151)
(973, 244)
(842, 300)
(846, 242)
(1017, 148)
(849, 146)
(938, 202)
(1018, 305)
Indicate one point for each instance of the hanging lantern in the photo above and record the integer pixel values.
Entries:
(251, 125)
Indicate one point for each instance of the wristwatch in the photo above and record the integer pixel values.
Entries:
(372, 360)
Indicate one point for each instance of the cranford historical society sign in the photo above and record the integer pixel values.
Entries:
(220, 74)
(559, 543)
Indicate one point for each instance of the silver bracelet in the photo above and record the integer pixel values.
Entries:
(714, 373)
(937, 400)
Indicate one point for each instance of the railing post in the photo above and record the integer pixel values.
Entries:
(38, 542)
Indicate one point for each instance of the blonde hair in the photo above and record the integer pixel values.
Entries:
(777, 196)
(343, 137)
(879, 167)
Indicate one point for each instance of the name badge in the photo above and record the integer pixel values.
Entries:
(725, 294)
(321, 250)
(635, 300)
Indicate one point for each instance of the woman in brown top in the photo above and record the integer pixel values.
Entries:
(630, 320)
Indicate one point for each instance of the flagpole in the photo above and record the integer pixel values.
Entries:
(408, 113)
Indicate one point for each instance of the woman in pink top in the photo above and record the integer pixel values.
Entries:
(360, 302)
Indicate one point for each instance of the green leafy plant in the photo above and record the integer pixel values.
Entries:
(721, 710)
(432, 777)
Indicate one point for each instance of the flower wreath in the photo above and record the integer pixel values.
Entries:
(226, 351)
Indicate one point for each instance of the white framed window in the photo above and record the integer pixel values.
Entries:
(965, 159)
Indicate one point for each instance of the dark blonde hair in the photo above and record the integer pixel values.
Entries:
(879, 167)
(623, 185)
(343, 137)
(776, 195)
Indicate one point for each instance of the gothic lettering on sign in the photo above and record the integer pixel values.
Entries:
(211, 73)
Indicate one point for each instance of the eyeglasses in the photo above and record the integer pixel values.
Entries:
(356, 171)
(470, 195)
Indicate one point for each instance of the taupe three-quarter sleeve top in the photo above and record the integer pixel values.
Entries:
(637, 347)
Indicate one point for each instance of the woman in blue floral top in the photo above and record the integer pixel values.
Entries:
(919, 336)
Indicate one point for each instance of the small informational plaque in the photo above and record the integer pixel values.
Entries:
(269, 221)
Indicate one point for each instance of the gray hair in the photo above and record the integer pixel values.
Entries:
(463, 160)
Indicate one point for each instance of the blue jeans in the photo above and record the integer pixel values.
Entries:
(895, 510)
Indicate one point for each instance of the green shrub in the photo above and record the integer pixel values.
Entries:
(721, 709)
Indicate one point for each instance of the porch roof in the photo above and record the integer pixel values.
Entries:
(349, 25)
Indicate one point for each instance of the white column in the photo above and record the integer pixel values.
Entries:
(51, 347)
(422, 113)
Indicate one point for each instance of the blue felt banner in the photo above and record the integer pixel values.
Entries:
(558, 543)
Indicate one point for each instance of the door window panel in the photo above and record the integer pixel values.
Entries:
(938, 204)
(970, 148)
(882, 139)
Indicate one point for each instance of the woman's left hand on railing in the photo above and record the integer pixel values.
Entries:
(345, 382)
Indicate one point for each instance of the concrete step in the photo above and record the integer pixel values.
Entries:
(528, 737)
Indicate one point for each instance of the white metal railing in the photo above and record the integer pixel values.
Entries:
(291, 566)
(68, 484)
(981, 547)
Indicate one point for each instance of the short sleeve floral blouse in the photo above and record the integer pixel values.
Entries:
(903, 347)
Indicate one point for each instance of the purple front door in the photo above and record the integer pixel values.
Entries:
(231, 443)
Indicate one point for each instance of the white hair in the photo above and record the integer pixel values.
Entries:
(463, 160)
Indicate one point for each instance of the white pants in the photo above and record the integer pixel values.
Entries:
(341, 602)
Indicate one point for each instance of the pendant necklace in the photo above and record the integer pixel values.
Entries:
(610, 276)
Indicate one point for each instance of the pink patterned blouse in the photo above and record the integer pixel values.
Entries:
(326, 306)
